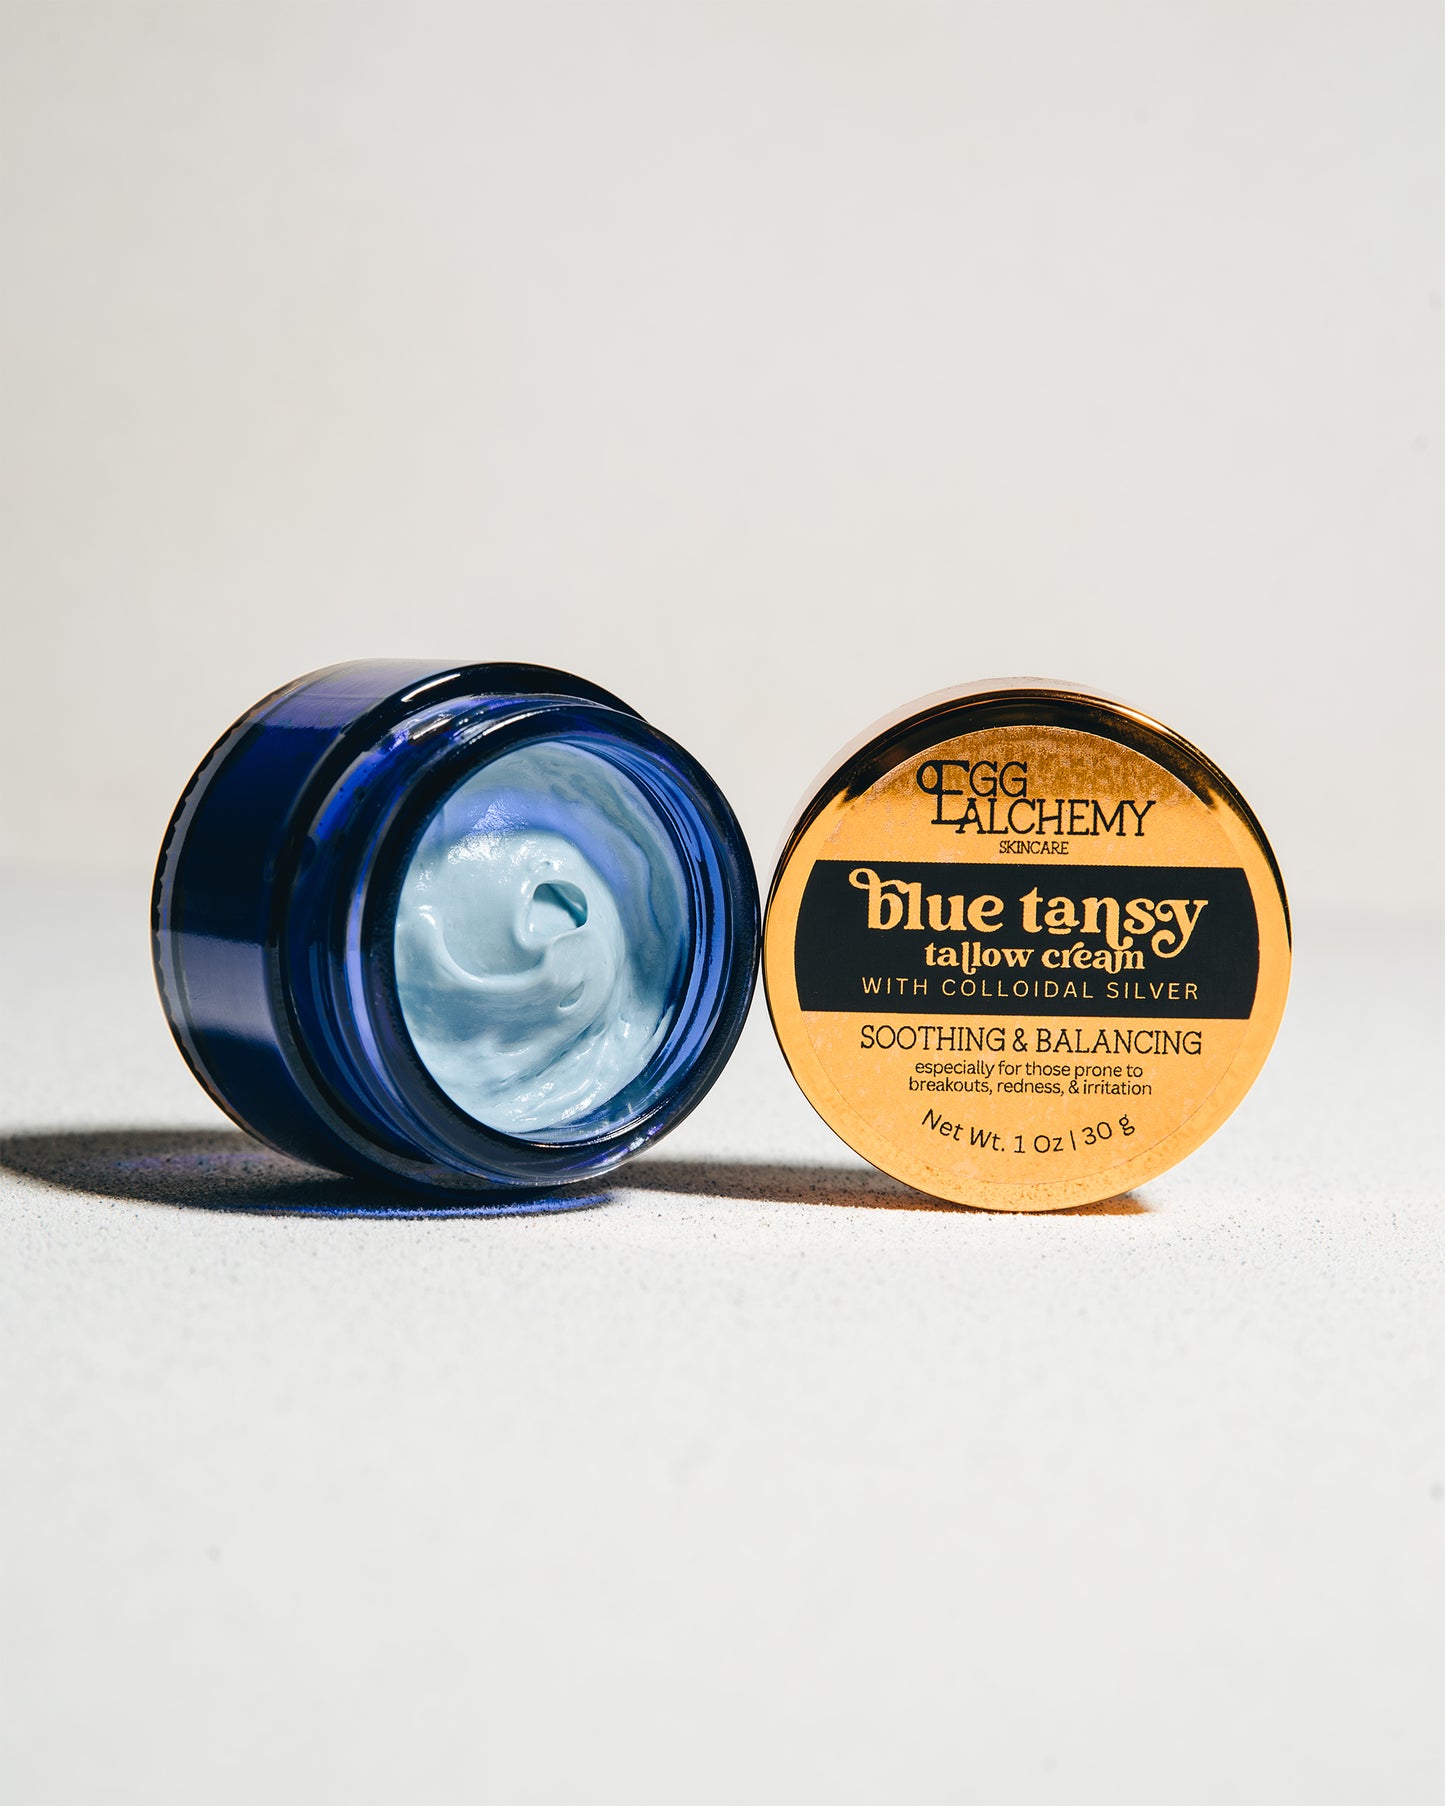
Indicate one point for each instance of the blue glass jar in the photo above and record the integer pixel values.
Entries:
(458, 928)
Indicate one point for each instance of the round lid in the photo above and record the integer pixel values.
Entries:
(1026, 947)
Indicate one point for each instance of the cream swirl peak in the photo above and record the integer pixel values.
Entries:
(539, 938)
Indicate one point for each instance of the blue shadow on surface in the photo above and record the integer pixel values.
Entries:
(222, 1169)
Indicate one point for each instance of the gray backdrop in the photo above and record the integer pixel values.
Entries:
(771, 364)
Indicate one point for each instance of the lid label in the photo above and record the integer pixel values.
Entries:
(1065, 1006)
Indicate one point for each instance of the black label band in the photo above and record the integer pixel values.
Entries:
(1098, 940)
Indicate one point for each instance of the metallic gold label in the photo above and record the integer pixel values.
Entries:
(1028, 966)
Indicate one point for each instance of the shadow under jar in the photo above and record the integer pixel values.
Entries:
(459, 928)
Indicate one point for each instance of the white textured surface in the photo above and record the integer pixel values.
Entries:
(709, 1494)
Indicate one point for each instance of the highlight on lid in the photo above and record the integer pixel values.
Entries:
(1025, 946)
(460, 928)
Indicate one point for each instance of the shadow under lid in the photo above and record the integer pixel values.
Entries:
(222, 1169)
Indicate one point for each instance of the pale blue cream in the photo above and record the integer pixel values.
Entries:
(541, 938)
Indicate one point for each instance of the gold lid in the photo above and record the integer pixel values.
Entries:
(1025, 947)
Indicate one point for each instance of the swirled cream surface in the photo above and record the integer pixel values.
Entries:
(541, 938)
